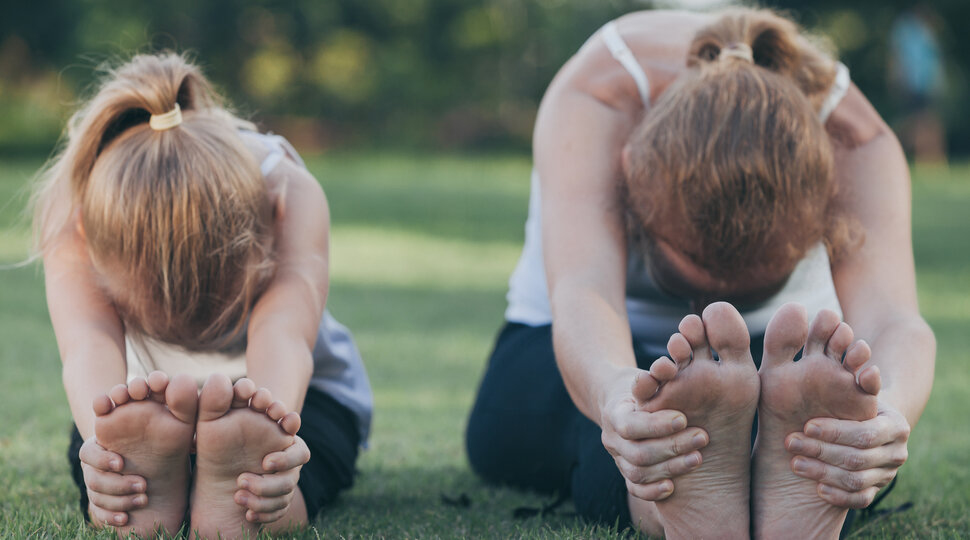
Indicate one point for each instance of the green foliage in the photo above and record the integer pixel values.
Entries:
(422, 248)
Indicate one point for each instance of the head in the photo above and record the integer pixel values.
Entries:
(177, 222)
(728, 178)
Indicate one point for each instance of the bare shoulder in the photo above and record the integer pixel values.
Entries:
(659, 41)
(854, 122)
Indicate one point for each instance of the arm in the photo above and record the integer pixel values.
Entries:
(583, 123)
(284, 322)
(90, 339)
(876, 285)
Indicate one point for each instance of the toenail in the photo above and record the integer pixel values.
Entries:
(679, 423)
(813, 430)
(795, 445)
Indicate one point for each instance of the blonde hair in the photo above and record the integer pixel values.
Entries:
(733, 160)
(183, 214)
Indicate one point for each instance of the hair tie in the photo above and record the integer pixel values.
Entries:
(738, 50)
(161, 122)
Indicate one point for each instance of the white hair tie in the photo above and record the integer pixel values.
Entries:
(738, 50)
(161, 122)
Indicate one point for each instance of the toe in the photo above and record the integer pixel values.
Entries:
(182, 398)
(119, 394)
(679, 350)
(785, 335)
(215, 398)
(242, 392)
(870, 380)
(262, 399)
(727, 332)
(646, 384)
(157, 383)
(692, 328)
(839, 342)
(276, 410)
(102, 405)
(291, 423)
(138, 389)
(664, 369)
(857, 355)
(822, 329)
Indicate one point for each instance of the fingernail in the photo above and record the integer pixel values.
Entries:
(244, 484)
(666, 489)
(795, 445)
(115, 464)
(138, 486)
(119, 519)
(799, 465)
(813, 430)
(243, 500)
(140, 500)
(825, 489)
(679, 423)
(699, 440)
(692, 460)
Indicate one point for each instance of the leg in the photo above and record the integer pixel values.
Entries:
(720, 396)
(238, 426)
(820, 384)
(151, 424)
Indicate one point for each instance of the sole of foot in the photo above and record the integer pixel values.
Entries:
(719, 395)
(828, 381)
(150, 423)
(238, 426)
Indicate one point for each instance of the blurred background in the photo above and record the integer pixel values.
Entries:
(435, 74)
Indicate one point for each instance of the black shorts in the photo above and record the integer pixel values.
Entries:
(525, 431)
(329, 430)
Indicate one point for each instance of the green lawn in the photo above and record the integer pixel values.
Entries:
(422, 249)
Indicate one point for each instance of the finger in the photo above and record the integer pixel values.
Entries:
(115, 503)
(848, 457)
(100, 515)
(865, 434)
(845, 499)
(262, 505)
(671, 468)
(851, 481)
(651, 492)
(636, 425)
(292, 456)
(110, 483)
(269, 485)
(254, 517)
(653, 451)
(97, 457)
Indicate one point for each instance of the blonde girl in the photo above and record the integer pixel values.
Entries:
(182, 250)
(696, 174)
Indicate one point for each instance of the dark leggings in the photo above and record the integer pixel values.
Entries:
(525, 431)
(329, 430)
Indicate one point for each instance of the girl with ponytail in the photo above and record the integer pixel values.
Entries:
(183, 250)
(704, 186)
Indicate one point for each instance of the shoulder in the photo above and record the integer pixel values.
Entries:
(854, 122)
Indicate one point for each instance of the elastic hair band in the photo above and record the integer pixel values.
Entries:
(161, 122)
(738, 50)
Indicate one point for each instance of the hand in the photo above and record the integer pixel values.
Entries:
(267, 496)
(650, 448)
(851, 460)
(111, 494)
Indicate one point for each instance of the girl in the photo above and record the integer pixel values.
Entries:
(184, 249)
(680, 159)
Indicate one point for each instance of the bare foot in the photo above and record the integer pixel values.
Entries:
(719, 396)
(150, 423)
(238, 426)
(820, 384)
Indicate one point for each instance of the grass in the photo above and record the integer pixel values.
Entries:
(422, 248)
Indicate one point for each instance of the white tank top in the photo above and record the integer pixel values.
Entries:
(653, 313)
(337, 366)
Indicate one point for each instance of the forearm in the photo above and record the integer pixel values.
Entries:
(89, 371)
(905, 352)
(593, 348)
(282, 362)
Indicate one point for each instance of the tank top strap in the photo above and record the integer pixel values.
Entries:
(622, 53)
(840, 87)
